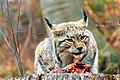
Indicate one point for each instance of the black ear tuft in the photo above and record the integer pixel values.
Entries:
(49, 24)
(85, 16)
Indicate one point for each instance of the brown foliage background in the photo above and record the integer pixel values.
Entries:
(25, 17)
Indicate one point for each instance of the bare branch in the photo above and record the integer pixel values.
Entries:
(29, 15)
(7, 41)
(2, 7)
(27, 38)
(17, 37)
(19, 63)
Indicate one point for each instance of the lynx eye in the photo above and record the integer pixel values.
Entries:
(59, 34)
(83, 37)
(70, 40)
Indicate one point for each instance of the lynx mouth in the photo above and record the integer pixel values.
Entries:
(77, 53)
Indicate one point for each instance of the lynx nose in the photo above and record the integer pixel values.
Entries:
(79, 48)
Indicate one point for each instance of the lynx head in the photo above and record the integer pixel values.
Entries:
(72, 39)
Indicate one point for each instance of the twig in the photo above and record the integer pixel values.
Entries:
(27, 38)
(2, 7)
(7, 41)
(29, 15)
(17, 37)
(15, 43)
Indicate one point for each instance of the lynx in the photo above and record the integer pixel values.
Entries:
(70, 41)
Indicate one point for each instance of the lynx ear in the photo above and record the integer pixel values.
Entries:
(85, 16)
(48, 23)
(84, 20)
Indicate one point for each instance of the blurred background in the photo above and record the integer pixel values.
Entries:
(22, 27)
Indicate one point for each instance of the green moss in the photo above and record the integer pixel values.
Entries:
(114, 58)
(97, 5)
(6, 73)
(15, 73)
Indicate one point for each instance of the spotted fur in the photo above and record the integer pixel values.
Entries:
(70, 41)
